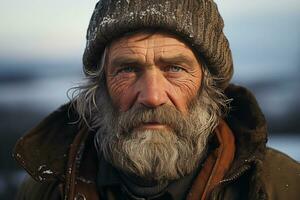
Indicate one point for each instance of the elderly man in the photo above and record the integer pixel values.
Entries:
(157, 117)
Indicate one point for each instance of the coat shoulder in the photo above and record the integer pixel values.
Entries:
(33, 190)
(281, 175)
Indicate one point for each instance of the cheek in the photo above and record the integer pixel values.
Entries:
(121, 91)
(185, 88)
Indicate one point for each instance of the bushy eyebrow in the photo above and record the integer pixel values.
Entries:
(178, 58)
(121, 60)
(165, 59)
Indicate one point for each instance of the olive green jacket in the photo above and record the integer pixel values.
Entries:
(62, 162)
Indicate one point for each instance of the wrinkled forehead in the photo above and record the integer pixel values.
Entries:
(159, 40)
(148, 34)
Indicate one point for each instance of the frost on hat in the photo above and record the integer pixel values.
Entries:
(197, 22)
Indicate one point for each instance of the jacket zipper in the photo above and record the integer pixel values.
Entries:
(235, 176)
(240, 172)
(215, 193)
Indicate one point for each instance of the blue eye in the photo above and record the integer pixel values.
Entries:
(175, 68)
(127, 69)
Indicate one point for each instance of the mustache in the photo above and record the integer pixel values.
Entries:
(138, 115)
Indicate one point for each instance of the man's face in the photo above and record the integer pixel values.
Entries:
(152, 70)
(151, 120)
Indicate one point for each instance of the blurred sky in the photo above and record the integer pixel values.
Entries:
(264, 34)
(264, 37)
(43, 30)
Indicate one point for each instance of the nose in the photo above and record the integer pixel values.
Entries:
(151, 90)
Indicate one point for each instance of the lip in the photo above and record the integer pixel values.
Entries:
(152, 125)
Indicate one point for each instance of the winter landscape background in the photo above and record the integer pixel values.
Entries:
(40, 59)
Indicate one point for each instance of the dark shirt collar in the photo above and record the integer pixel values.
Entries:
(108, 176)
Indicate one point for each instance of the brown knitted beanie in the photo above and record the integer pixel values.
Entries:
(197, 22)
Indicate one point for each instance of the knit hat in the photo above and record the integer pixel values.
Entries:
(197, 22)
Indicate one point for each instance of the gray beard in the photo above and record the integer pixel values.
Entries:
(160, 155)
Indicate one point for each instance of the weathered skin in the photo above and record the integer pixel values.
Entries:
(152, 70)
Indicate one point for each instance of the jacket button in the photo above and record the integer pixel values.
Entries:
(79, 196)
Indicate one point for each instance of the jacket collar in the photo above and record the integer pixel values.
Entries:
(249, 126)
(44, 150)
